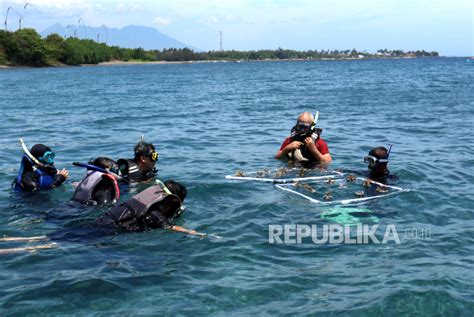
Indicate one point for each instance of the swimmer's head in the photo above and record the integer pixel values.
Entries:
(377, 158)
(172, 206)
(177, 189)
(105, 163)
(43, 154)
(145, 156)
(304, 123)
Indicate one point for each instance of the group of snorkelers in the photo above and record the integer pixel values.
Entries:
(152, 208)
(157, 206)
(305, 145)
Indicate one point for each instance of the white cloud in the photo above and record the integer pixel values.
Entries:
(69, 5)
(209, 20)
(160, 21)
(127, 7)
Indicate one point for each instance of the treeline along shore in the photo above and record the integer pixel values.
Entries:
(27, 48)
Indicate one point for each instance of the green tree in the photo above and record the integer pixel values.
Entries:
(25, 47)
(54, 44)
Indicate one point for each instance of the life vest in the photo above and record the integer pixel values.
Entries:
(133, 172)
(85, 190)
(45, 179)
(131, 215)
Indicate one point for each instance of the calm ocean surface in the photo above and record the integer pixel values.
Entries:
(208, 120)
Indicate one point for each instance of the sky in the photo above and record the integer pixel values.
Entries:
(432, 25)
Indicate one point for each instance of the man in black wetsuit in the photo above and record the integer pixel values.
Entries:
(142, 166)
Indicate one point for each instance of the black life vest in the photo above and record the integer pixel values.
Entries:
(45, 178)
(85, 190)
(133, 214)
(132, 172)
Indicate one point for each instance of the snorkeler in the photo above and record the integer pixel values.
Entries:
(37, 170)
(99, 185)
(142, 167)
(153, 208)
(305, 144)
(377, 162)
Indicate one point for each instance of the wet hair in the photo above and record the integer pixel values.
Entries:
(104, 162)
(143, 149)
(379, 152)
(38, 150)
(177, 189)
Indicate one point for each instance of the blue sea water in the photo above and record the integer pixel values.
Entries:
(208, 120)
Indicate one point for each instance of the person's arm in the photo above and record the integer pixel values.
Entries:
(187, 231)
(60, 177)
(323, 158)
(286, 148)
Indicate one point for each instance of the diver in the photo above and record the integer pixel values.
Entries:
(142, 167)
(153, 208)
(37, 170)
(305, 143)
(97, 186)
(377, 162)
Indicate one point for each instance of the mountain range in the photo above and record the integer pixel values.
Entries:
(132, 36)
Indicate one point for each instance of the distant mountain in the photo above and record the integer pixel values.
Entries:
(132, 36)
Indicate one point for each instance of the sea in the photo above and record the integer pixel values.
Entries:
(208, 120)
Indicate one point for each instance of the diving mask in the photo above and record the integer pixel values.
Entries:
(180, 211)
(371, 161)
(154, 156)
(48, 157)
(302, 127)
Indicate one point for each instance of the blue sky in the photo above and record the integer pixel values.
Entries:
(443, 26)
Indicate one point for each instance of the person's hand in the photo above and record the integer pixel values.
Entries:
(64, 173)
(293, 145)
(309, 141)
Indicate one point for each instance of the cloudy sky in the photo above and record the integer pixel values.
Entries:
(443, 26)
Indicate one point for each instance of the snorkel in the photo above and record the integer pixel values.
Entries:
(98, 169)
(30, 156)
(389, 150)
(49, 159)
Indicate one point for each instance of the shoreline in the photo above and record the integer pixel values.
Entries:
(136, 63)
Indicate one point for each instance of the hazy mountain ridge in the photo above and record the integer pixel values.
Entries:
(132, 36)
